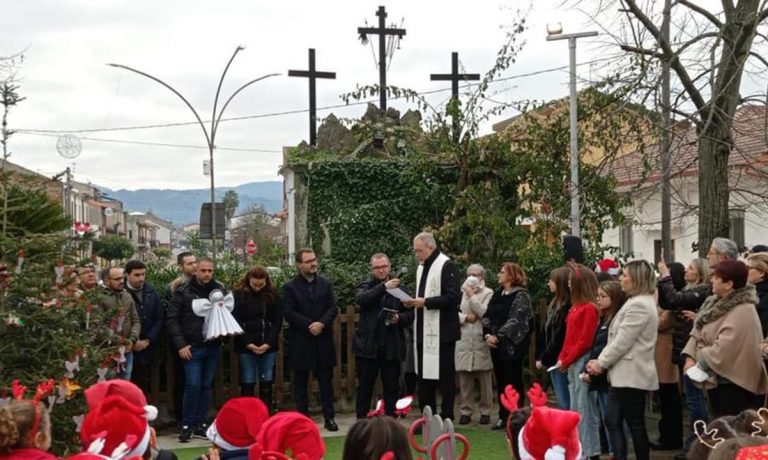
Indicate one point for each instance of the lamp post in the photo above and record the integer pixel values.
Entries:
(555, 32)
(210, 135)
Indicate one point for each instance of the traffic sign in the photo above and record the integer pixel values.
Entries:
(251, 247)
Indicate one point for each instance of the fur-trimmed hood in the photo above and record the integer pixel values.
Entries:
(715, 308)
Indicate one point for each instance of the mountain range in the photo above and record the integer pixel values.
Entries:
(183, 206)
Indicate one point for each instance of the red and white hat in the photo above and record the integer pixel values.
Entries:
(118, 425)
(550, 434)
(289, 430)
(96, 393)
(238, 423)
(609, 266)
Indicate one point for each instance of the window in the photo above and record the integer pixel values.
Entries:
(626, 239)
(657, 252)
(736, 217)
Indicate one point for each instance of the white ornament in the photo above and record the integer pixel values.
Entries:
(217, 311)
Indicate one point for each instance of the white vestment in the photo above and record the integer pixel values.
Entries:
(430, 356)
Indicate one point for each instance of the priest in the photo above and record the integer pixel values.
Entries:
(436, 324)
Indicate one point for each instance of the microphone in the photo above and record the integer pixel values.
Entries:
(401, 272)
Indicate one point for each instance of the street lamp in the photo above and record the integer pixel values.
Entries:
(555, 32)
(210, 135)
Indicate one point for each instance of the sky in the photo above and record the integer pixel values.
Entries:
(187, 43)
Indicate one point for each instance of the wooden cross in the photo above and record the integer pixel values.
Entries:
(454, 77)
(382, 31)
(312, 74)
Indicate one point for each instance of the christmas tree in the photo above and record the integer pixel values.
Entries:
(45, 327)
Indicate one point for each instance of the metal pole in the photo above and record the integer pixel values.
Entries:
(312, 102)
(213, 206)
(666, 201)
(382, 61)
(575, 211)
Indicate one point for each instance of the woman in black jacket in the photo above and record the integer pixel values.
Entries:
(507, 328)
(258, 311)
(548, 349)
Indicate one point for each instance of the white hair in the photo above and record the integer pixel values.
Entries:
(427, 239)
(726, 248)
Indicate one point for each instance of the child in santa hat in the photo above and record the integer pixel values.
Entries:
(288, 431)
(25, 427)
(541, 432)
(118, 428)
(236, 427)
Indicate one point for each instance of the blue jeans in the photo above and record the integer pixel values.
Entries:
(584, 402)
(256, 368)
(560, 385)
(697, 407)
(198, 391)
(128, 367)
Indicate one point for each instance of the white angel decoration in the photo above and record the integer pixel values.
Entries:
(217, 311)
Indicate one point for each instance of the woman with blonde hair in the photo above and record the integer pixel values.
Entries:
(629, 359)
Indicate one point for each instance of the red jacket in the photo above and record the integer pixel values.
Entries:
(28, 454)
(580, 327)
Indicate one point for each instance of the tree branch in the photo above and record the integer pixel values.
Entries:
(712, 18)
(638, 50)
(693, 92)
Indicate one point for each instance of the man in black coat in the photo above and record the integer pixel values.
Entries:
(151, 314)
(201, 358)
(438, 291)
(309, 308)
(378, 344)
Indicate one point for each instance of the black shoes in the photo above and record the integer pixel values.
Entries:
(186, 434)
(464, 420)
(484, 419)
(200, 431)
(330, 425)
(499, 425)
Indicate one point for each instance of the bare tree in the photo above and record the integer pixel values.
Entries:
(709, 52)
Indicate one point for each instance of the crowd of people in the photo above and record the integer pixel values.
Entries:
(609, 336)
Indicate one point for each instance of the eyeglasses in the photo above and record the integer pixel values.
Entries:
(380, 267)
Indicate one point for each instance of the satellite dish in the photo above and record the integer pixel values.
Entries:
(69, 146)
(108, 212)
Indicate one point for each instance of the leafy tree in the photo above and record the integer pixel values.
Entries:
(231, 201)
(113, 247)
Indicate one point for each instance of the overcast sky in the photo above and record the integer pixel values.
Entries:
(68, 87)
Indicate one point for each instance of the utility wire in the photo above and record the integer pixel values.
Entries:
(296, 111)
(159, 144)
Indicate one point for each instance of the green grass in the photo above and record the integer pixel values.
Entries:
(485, 445)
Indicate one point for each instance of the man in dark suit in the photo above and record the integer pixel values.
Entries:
(151, 314)
(378, 344)
(436, 325)
(309, 307)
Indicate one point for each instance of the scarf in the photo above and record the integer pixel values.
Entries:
(715, 307)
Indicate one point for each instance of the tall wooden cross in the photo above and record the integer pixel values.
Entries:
(382, 31)
(454, 78)
(312, 74)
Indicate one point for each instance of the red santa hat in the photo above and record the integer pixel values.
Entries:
(609, 266)
(96, 393)
(289, 430)
(752, 453)
(550, 434)
(238, 423)
(116, 424)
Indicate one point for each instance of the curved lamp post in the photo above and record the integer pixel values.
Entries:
(555, 32)
(210, 134)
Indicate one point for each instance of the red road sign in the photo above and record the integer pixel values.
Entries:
(251, 247)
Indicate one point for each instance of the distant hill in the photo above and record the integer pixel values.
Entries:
(183, 206)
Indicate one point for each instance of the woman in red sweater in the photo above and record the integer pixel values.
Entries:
(580, 326)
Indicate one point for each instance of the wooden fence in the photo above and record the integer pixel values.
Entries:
(226, 381)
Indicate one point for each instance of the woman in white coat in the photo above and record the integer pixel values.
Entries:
(629, 359)
(473, 358)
